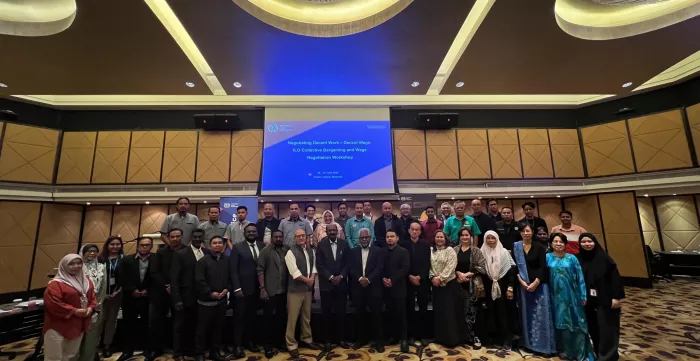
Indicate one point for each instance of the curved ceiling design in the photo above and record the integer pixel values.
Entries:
(615, 19)
(36, 17)
(323, 18)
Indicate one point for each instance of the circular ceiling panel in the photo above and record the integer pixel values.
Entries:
(36, 17)
(323, 18)
(615, 19)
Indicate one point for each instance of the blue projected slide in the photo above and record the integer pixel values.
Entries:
(327, 157)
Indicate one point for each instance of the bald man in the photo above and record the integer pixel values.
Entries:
(387, 222)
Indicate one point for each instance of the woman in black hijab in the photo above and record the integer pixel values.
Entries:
(604, 290)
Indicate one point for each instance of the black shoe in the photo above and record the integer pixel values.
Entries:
(199, 358)
(149, 356)
(411, 341)
(107, 353)
(344, 345)
(358, 345)
(379, 348)
(404, 346)
(253, 347)
(125, 356)
(217, 356)
(238, 352)
(294, 354)
(327, 347)
(311, 346)
(270, 353)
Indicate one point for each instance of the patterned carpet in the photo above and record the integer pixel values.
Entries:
(662, 323)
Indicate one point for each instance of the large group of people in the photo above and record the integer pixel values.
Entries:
(493, 281)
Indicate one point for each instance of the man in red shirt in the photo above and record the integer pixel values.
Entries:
(430, 225)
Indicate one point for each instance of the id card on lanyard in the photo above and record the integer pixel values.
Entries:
(112, 269)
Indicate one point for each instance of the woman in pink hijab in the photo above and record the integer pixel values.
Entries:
(69, 303)
(328, 218)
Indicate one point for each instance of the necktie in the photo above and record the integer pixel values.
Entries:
(255, 252)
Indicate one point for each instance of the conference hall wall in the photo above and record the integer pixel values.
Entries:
(671, 223)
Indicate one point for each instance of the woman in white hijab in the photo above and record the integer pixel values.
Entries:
(499, 287)
(69, 303)
(96, 272)
(328, 218)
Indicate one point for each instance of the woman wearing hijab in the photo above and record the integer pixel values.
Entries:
(96, 273)
(604, 290)
(111, 256)
(447, 305)
(471, 267)
(536, 318)
(499, 287)
(569, 297)
(69, 303)
(320, 232)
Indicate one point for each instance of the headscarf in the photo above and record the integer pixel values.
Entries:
(321, 228)
(595, 263)
(498, 262)
(94, 269)
(80, 281)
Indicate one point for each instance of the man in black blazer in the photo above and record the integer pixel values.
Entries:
(365, 265)
(387, 222)
(394, 276)
(267, 224)
(243, 268)
(183, 293)
(418, 285)
(332, 269)
(135, 282)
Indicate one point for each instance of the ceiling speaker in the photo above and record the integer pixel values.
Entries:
(437, 120)
(217, 121)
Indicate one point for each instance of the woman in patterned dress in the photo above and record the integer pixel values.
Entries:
(447, 305)
(470, 270)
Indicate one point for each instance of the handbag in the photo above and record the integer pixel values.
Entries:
(478, 284)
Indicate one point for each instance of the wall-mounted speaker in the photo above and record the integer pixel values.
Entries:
(217, 121)
(437, 120)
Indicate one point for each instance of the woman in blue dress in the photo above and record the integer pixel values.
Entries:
(569, 298)
(534, 299)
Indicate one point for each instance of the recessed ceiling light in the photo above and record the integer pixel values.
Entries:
(237, 84)
(290, 200)
(315, 200)
(646, 195)
(558, 196)
(415, 84)
(118, 203)
(189, 84)
(343, 199)
(3, 85)
(674, 194)
(627, 85)
(147, 202)
(205, 202)
(460, 84)
(88, 203)
(453, 197)
(261, 201)
(506, 197)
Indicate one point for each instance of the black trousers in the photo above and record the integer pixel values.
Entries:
(158, 312)
(417, 319)
(184, 326)
(396, 306)
(132, 308)
(244, 314)
(498, 326)
(367, 323)
(210, 325)
(275, 311)
(604, 328)
(334, 305)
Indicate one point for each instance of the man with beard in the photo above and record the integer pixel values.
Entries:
(181, 220)
(272, 277)
(212, 284)
(387, 222)
(418, 285)
(396, 266)
(212, 227)
(508, 229)
(342, 215)
(267, 224)
(366, 266)
(333, 274)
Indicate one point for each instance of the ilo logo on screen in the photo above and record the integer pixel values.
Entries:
(274, 128)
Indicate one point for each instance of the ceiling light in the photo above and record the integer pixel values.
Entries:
(147, 202)
(453, 197)
(674, 194)
(237, 84)
(646, 195)
(343, 199)
(558, 196)
(88, 203)
(315, 200)
(205, 202)
(532, 196)
(415, 84)
(118, 203)
(506, 197)
(189, 84)
(290, 200)
(3, 85)
(460, 84)
(261, 201)
(627, 85)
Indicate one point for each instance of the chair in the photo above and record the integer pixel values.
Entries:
(660, 270)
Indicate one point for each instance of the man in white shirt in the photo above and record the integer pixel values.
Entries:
(234, 233)
(301, 264)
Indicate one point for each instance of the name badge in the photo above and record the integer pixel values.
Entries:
(594, 293)
(112, 281)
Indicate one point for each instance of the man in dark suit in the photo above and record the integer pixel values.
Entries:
(212, 282)
(267, 224)
(387, 222)
(366, 264)
(243, 269)
(396, 266)
(332, 280)
(159, 294)
(183, 293)
(135, 282)
(418, 282)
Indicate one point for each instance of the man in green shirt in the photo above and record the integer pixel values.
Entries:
(459, 220)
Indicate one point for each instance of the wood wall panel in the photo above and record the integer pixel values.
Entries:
(566, 153)
(111, 155)
(649, 230)
(549, 209)
(505, 153)
(474, 159)
(409, 153)
(694, 122)
(586, 214)
(246, 155)
(28, 154)
(678, 219)
(659, 141)
(77, 152)
(59, 232)
(213, 156)
(535, 154)
(607, 149)
(442, 154)
(146, 156)
(179, 156)
(98, 221)
(125, 223)
(622, 233)
(18, 221)
(152, 218)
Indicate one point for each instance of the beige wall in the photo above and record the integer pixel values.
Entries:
(623, 234)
